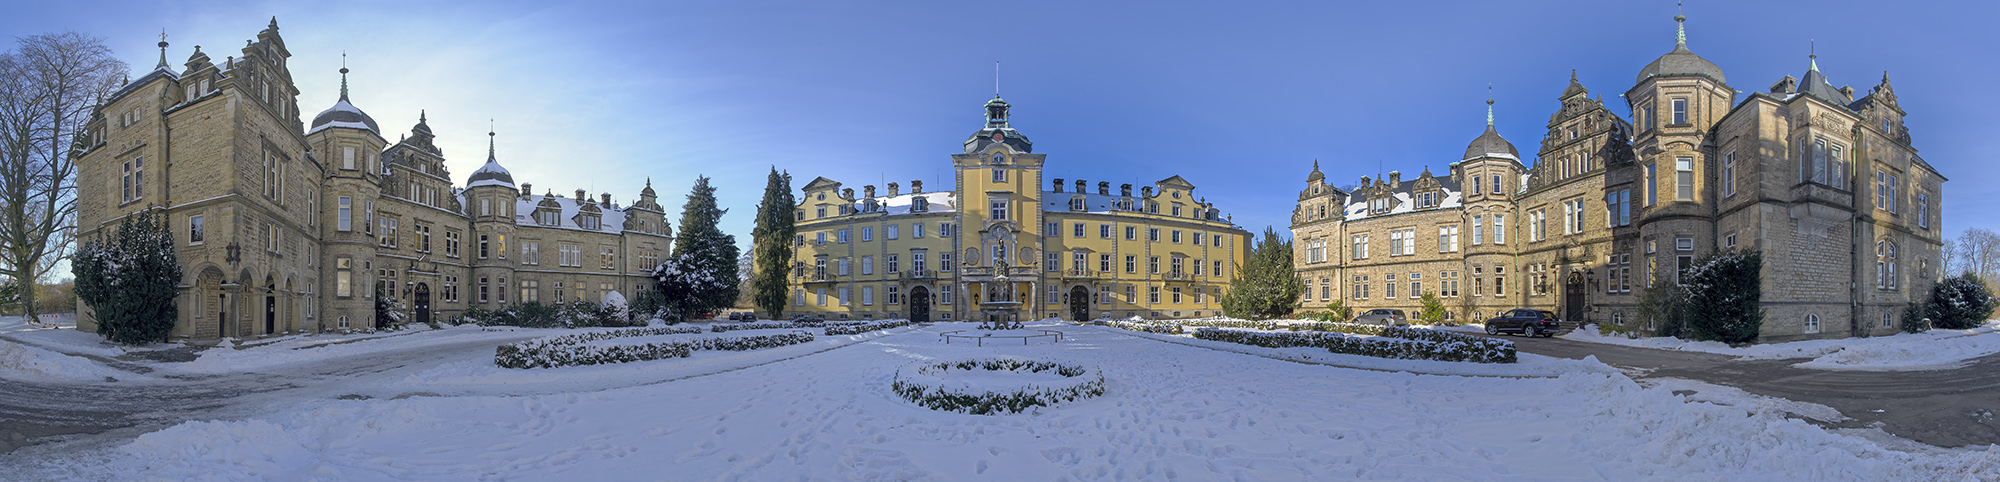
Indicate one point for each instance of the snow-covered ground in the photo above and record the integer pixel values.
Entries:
(1930, 350)
(1173, 410)
(28, 363)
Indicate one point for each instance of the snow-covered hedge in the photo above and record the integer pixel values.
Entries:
(1149, 327)
(572, 350)
(859, 328)
(1440, 348)
(764, 325)
(1220, 322)
(934, 387)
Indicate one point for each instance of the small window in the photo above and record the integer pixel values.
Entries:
(1684, 244)
(1812, 323)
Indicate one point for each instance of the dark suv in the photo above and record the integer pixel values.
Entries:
(1524, 321)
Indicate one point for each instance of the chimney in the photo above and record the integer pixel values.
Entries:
(847, 193)
(1058, 185)
(1848, 92)
(917, 187)
(894, 190)
(1103, 188)
(1395, 178)
(527, 189)
(1146, 191)
(606, 197)
(1125, 190)
(1364, 182)
(868, 190)
(1080, 185)
(581, 197)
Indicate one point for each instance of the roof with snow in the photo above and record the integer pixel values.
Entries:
(1490, 144)
(613, 216)
(1405, 199)
(490, 174)
(934, 202)
(343, 114)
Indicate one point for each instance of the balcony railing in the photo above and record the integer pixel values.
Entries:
(1080, 274)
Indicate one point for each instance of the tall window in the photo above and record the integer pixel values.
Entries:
(998, 210)
(1885, 265)
(1684, 179)
(1652, 185)
(1499, 229)
(345, 221)
(1924, 211)
(1680, 111)
(1448, 239)
(1360, 246)
(1478, 230)
(1885, 190)
(1729, 174)
(1496, 185)
(194, 229)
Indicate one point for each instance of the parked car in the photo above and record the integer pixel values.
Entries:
(1383, 317)
(1524, 321)
(741, 316)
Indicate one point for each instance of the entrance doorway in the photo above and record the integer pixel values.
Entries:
(422, 299)
(1079, 304)
(920, 305)
(270, 314)
(1573, 297)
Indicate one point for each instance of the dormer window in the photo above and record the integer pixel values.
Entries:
(1076, 203)
(920, 204)
(999, 159)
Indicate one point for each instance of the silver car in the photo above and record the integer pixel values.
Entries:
(1385, 317)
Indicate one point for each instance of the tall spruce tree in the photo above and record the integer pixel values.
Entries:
(772, 244)
(129, 280)
(1266, 286)
(704, 252)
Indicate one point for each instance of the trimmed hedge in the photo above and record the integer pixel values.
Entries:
(1439, 346)
(1167, 328)
(859, 328)
(571, 350)
(764, 325)
(922, 386)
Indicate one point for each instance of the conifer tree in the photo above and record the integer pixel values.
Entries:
(1723, 295)
(1960, 303)
(129, 280)
(702, 252)
(1431, 310)
(1265, 286)
(772, 244)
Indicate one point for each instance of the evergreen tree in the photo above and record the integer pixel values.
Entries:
(1723, 295)
(1960, 303)
(771, 242)
(704, 254)
(1266, 286)
(1431, 310)
(130, 280)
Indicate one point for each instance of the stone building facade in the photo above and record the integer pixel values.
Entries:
(286, 227)
(1824, 185)
(999, 247)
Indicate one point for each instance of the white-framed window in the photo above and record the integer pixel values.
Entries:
(1448, 239)
(1360, 246)
(819, 295)
(1812, 323)
(894, 296)
(1684, 179)
(798, 296)
(867, 295)
(1683, 244)
(1680, 111)
(1887, 320)
(1652, 186)
(867, 233)
(1885, 191)
(195, 235)
(1499, 229)
(1729, 174)
(867, 265)
(944, 295)
(1478, 230)
(1153, 235)
(1104, 231)
(999, 175)
(843, 236)
(1054, 295)
(998, 210)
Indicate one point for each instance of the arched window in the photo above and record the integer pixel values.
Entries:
(1812, 323)
(1618, 318)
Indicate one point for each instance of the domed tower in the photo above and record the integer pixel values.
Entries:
(1489, 176)
(490, 199)
(999, 178)
(1676, 102)
(349, 144)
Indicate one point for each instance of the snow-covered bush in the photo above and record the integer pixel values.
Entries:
(1148, 327)
(932, 386)
(1960, 303)
(574, 314)
(1221, 322)
(859, 328)
(764, 325)
(1916, 318)
(572, 350)
(614, 307)
(1405, 343)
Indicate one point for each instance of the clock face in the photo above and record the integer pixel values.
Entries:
(996, 137)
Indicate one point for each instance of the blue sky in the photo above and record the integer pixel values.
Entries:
(1237, 97)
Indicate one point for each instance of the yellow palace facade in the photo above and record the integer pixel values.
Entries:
(1003, 247)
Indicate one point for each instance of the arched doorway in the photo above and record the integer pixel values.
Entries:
(920, 304)
(1573, 297)
(421, 302)
(1079, 304)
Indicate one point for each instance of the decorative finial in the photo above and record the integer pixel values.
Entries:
(163, 48)
(996, 79)
(1315, 163)
(343, 75)
(1680, 25)
(489, 140)
(1812, 48)
(420, 116)
(1885, 76)
(1489, 105)
(1572, 76)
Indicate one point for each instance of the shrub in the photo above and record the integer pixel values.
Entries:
(1167, 328)
(924, 385)
(1915, 319)
(764, 325)
(1723, 296)
(572, 350)
(1405, 343)
(1960, 303)
(859, 328)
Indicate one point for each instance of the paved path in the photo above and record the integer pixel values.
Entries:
(1946, 408)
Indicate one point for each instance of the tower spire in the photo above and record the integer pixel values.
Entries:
(996, 79)
(343, 77)
(1812, 48)
(163, 49)
(1680, 27)
(1489, 106)
(489, 140)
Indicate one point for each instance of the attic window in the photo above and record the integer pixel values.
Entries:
(590, 221)
(1076, 203)
(920, 204)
